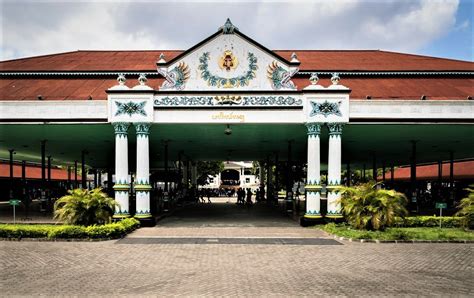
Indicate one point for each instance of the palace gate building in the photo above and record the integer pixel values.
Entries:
(229, 97)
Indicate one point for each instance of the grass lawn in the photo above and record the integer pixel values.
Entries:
(422, 233)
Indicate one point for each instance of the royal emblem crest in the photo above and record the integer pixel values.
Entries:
(228, 61)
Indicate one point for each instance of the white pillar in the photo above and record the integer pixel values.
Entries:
(185, 174)
(122, 185)
(313, 187)
(142, 180)
(334, 170)
(194, 174)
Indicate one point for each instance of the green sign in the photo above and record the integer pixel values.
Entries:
(14, 202)
(441, 205)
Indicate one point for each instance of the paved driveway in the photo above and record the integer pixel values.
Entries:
(145, 264)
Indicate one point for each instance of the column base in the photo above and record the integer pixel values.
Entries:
(121, 216)
(312, 216)
(147, 222)
(335, 217)
(144, 215)
(311, 220)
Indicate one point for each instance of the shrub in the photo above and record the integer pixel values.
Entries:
(20, 231)
(467, 209)
(366, 207)
(429, 221)
(108, 231)
(67, 232)
(85, 207)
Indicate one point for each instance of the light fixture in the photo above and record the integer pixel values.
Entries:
(228, 130)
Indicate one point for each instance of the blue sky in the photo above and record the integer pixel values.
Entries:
(458, 43)
(440, 28)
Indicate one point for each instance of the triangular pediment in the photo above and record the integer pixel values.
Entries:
(228, 60)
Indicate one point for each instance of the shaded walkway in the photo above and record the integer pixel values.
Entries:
(223, 214)
(223, 219)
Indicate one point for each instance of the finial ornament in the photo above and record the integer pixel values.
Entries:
(294, 58)
(314, 79)
(142, 79)
(228, 27)
(121, 79)
(162, 58)
(335, 78)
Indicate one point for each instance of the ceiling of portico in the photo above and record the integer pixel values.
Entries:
(389, 142)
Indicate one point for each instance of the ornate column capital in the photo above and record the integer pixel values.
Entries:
(335, 128)
(313, 128)
(142, 128)
(121, 128)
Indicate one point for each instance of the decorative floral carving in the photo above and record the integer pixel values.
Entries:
(142, 129)
(121, 128)
(271, 101)
(335, 128)
(313, 129)
(280, 77)
(185, 101)
(130, 108)
(234, 100)
(175, 78)
(326, 108)
(228, 99)
(218, 81)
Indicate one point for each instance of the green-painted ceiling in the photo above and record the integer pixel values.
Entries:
(389, 142)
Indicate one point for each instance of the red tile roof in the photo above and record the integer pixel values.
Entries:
(334, 60)
(34, 172)
(385, 88)
(462, 170)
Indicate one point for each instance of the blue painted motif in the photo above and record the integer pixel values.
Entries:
(326, 108)
(130, 108)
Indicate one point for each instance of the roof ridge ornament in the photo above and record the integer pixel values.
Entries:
(142, 79)
(121, 79)
(314, 78)
(228, 27)
(121, 83)
(162, 59)
(294, 58)
(335, 79)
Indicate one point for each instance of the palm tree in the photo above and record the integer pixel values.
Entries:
(367, 207)
(85, 207)
(467, 208)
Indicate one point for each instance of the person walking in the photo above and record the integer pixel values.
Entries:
(249, 197)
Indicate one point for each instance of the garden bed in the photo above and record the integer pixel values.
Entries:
(53, 232)
(398, 233)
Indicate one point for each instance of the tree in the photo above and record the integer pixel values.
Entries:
(207, 169)
(367, 207)
(85, 207)
(467, 208)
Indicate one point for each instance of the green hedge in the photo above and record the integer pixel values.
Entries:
(429, 221)
(412, 233)
(108, 231)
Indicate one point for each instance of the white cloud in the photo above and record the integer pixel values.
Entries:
(398, 25)
(90, 26)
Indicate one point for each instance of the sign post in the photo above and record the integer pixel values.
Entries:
(14, 203)
(441, 206)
